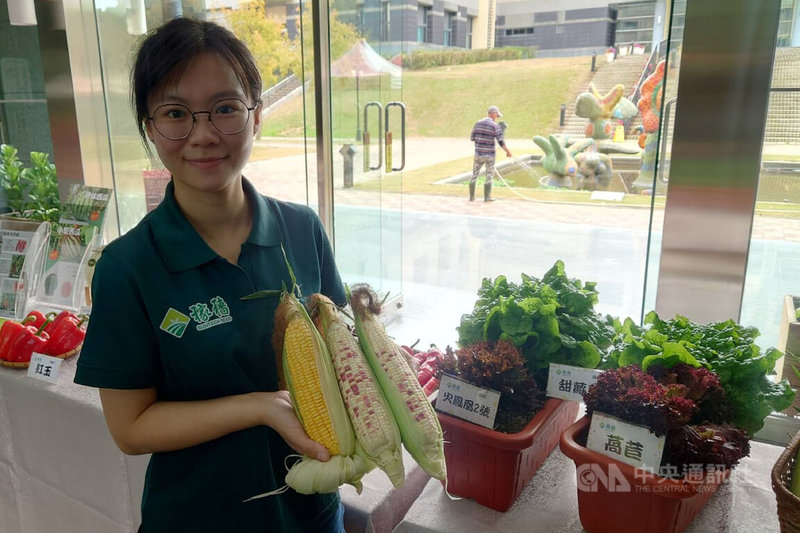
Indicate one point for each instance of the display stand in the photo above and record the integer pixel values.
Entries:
(23, 245)
(78, 232)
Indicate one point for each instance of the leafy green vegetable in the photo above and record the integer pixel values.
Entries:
(726, 348)
(551, 320)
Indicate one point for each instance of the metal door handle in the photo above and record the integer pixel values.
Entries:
(366, 137)
(389, 167)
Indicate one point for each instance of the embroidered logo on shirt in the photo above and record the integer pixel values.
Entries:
(206, 315)
(219, 313)
(175, 323)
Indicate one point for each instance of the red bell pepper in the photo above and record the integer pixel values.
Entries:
(66, 333)
(58, 318)
(10, 332)
(38, 319)
(29, 340)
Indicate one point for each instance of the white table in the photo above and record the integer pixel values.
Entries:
(60, 471)
(549, 504)
(59, 468)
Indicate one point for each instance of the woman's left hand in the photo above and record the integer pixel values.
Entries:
(279, 415)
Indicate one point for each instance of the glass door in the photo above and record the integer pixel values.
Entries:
(368, 141)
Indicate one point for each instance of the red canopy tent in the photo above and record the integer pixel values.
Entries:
(363, 60)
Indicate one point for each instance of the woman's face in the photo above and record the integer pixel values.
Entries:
(207, 160)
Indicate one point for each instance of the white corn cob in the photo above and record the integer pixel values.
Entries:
(419, 426)
(375, 428)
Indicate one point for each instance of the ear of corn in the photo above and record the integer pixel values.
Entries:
(375, 428)
(308, 374)
(315, 477)
(416, 419)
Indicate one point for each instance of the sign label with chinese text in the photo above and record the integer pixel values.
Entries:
(635, 445)
(44, 367)
(466, 401)
(570, 382)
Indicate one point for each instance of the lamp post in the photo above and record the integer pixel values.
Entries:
(357, 74)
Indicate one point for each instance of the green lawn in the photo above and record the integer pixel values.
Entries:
(446, 101)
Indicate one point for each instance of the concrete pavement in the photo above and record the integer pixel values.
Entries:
(285, 178)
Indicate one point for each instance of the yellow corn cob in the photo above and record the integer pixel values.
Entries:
(375, 428)
(419, 426)
(307, 388)
(306, 371)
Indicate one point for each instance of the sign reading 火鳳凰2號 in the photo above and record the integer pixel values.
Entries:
(570, 382)
(635, 445)
(466, 401)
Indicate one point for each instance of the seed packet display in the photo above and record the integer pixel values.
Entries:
(78, 231)
(22, 246)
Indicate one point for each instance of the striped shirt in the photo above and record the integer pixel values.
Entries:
(484, 133)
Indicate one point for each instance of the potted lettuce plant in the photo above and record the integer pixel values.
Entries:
(705, 388)
(493, 465)
(507, 343)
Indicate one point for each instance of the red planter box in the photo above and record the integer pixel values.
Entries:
(613, 499)
(492, 467)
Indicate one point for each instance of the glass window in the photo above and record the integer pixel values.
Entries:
(448, 29)
(772, 267)
(414, 230)
(385, 20)
(423, 12)
(24, 121)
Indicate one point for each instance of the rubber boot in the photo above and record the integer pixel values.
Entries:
(487, 193)
(471, 192)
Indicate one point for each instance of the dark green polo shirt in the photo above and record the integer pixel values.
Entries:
(167, 313)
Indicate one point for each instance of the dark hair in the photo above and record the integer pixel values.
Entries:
(166, 51)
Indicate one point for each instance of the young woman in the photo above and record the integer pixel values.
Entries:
(184, 366)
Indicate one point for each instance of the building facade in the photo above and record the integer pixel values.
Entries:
(586, 27)
(554, 27)
(407, 24)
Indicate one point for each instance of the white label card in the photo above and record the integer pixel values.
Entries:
(44, 367)
(570, 382)
(635, 445)
(466, 401)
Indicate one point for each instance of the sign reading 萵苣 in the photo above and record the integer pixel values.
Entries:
(466, 401)
(629, 443)
(570, 382)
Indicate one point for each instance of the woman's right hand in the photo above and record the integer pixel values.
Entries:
(279, 415)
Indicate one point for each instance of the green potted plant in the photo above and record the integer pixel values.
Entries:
(32, 192)
(547, 320)
(705, 388)
(493, 465)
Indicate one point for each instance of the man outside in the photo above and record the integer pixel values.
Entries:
(484, 134)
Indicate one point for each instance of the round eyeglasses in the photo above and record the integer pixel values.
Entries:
(176, 121)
